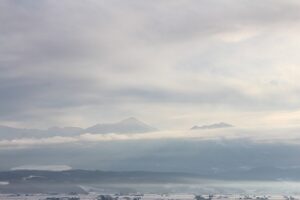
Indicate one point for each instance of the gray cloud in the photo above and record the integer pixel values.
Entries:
(76, 63)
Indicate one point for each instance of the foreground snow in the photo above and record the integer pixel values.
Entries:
(95, 196)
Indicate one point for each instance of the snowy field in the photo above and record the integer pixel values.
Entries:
(94, 196)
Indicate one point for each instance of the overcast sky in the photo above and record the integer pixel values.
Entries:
(172, 64)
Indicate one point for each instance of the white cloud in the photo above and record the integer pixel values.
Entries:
(32, 142)
(288, 135)
(43, 167)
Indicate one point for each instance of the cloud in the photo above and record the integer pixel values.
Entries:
(32, 142)
(263, 135)
(78, 63)
(43, 167)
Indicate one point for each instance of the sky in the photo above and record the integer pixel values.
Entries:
(171, 64)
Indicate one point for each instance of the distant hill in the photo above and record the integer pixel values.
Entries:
(129, 125)
(8, 133)
(35, 181)
(97, 176)
(213, 126)
(89, 176)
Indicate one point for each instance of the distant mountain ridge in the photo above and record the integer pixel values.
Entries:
(71, 181)
(129, 125)
(85, 181)
(86, 176)
(78, 175)
(213, 126)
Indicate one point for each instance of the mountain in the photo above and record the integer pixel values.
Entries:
(8, 133)
(76, 181)
(85, 181)
(90, 176)
(212, 126)
(129, 125)
(265, 173)
(65, 131)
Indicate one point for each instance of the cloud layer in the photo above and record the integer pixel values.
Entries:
(287, 136)
(171, 63)
(200, 152)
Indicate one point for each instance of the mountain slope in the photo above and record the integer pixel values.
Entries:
(129, 125)
(89, 176)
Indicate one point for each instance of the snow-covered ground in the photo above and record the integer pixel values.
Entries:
(95, 196)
